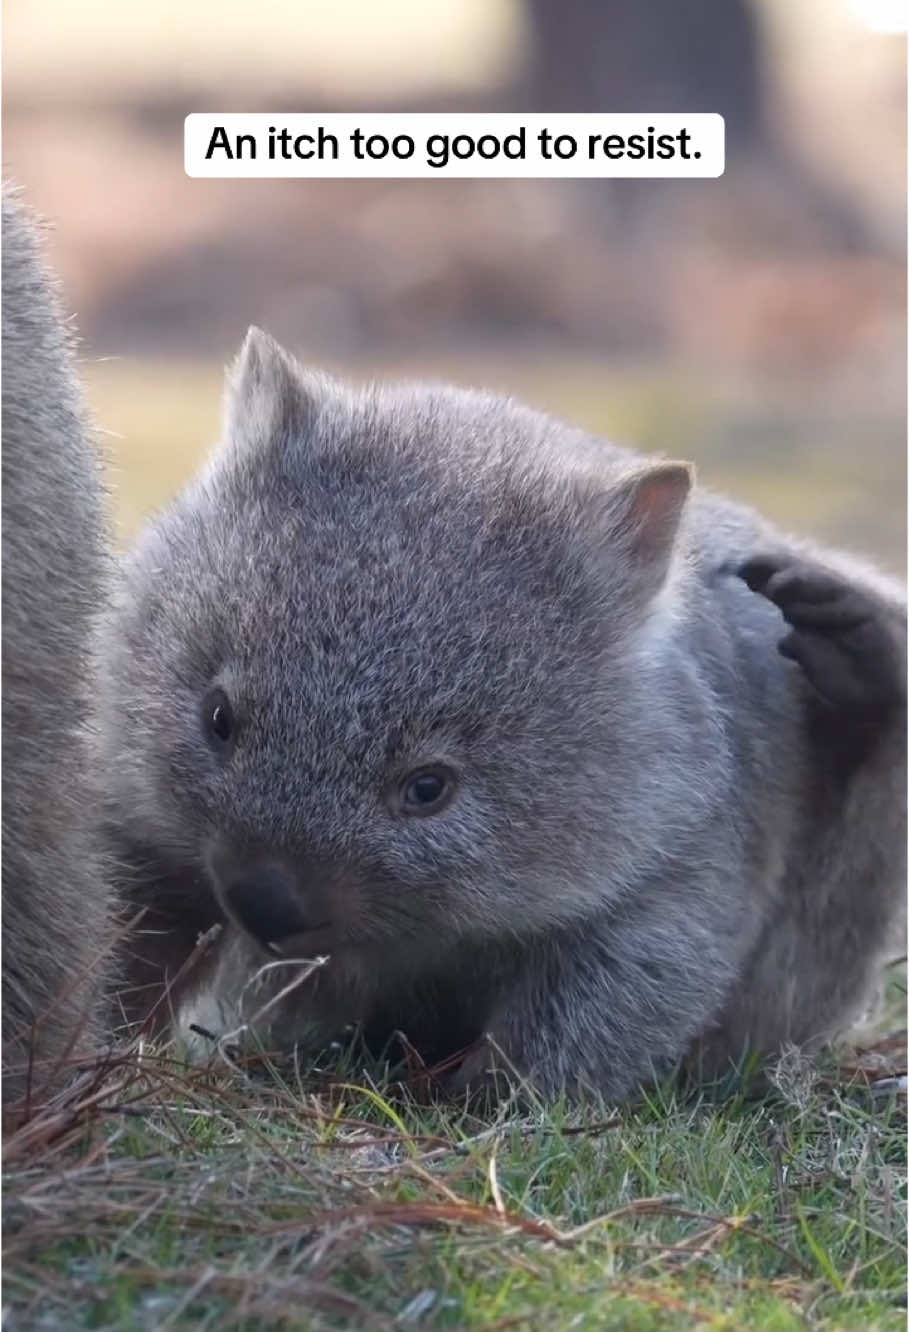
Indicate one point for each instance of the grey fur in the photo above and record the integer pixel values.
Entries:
(56, 898)
(655, 845)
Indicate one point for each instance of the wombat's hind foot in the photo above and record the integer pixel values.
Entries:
(841, 636)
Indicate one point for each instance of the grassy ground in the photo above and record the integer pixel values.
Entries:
(155, 1197)
(829, 462)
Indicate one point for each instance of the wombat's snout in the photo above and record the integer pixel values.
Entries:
(265, 901)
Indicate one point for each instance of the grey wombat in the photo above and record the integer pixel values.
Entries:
(492, 713)
(56, 896)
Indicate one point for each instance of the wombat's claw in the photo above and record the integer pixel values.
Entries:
(885, 1087)
(202, 1031)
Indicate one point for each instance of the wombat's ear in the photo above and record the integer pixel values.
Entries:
(639, 518)
(266, 396)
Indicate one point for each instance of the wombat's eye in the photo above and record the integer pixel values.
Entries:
(426, 791)
(218, 719)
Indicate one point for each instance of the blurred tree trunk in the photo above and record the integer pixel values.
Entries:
(685, 56)
(649, 55)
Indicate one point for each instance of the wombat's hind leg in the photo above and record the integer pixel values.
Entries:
(845, 638)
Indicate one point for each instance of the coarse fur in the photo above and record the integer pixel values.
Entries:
(662, 837)
(56, 897)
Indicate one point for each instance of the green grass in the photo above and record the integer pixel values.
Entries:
(157, 1196)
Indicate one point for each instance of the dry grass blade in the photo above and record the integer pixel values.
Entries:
(240, 1199)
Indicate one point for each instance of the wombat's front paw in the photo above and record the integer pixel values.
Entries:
(844, 638)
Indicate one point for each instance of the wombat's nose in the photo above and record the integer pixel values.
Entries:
(265, 901)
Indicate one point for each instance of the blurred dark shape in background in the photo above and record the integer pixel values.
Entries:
(705, 55)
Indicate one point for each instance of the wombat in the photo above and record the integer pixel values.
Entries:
(57, 899)
(491, 713)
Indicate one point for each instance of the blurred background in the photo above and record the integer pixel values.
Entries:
(755, 323)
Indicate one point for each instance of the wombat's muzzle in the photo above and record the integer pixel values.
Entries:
(265, 901)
